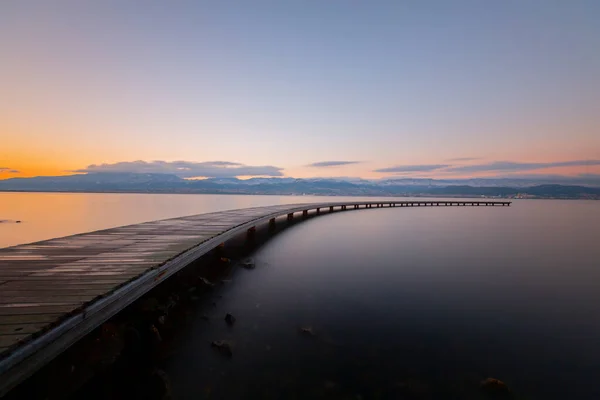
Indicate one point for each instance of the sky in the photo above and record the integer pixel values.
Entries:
(312, 88)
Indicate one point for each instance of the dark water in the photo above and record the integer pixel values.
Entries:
(409, 303)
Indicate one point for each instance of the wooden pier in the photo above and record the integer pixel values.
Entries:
(52, 293)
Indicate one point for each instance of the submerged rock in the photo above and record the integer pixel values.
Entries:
(329, 385)
(307, 331)
(149, 304)
(159, 385)
(205, 282)
(223, 346)
(155, 336)
(230, 319)
(495, 387)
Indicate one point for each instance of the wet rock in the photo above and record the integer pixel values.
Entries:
(248, 263)
(495, 387)
(223, 346)
(204, 282)
(169, 304)
(230, 319)
(155, 335)
(329, 385)
(307, 331)
(149, 304)
(159, 385)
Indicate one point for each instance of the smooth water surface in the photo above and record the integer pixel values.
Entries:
(420, 303)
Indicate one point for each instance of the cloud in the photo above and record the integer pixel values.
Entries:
(331, 163)
(462, 159)
(187, 169)
(500, 166)
(8, 170)
(413, 168)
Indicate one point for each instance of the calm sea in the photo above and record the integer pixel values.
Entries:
(420, 302)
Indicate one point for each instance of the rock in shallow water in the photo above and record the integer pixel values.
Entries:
(307, 331)
(203, 282)
(230, 319)
(223, 346)
(495, 387)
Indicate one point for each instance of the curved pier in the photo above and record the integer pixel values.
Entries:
(52, 293)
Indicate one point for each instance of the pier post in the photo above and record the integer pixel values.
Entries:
(290, 216)
(305, 213)
(272, 224)
(318, 211)
(331, 209)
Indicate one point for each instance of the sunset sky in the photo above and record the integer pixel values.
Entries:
(317, 88)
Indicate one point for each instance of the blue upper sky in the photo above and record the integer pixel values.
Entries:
(400, 87)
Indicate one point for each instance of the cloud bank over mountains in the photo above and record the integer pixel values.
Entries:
(465, 168)
(187, 169)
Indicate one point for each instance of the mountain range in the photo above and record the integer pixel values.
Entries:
(550, 187)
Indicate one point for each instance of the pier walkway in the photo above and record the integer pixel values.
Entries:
(54, 292)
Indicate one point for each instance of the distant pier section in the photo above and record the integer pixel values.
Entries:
(52, 293)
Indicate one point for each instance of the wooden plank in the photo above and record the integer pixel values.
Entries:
(64, 291)
(65, 280)
(7, 341)
(12, 329)
(55, 298)
(29, 319)
(42, 309)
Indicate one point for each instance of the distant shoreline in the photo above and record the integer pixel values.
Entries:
(422, 195)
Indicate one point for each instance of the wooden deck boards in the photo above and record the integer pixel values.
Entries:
(43, 283)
